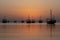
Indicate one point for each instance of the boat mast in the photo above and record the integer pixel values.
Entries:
(51, 13)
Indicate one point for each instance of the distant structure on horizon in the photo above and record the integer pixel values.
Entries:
(22, 21)
(15, 21)
(5, 21)
(28, 20)
(51, 20)
(40, 20)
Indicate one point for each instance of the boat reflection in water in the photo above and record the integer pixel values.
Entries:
(51, 27)
(29, 32)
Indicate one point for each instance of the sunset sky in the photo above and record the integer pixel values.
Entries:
(21, 9)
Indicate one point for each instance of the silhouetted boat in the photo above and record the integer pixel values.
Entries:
(33, 21)
(51, 20)
(4, 21)
(28, 21)
(40, 20)
(22, 21)
(15, 21)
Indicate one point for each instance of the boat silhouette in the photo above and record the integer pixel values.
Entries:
(28, 20)
(51, 20)
(4, 21)
(15, 21)
(22, 21)
(33, 21)
(40, 20)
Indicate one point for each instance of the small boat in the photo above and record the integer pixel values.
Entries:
(22, 21)
(28, 21)
(15, 21)
(51, 20)
(33, 21)
(4, 21)
(40, 20)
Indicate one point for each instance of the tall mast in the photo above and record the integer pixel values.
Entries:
(51, 13)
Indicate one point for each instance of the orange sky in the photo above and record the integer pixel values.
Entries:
(33, 8)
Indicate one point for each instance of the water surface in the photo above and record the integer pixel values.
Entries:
(29, 31)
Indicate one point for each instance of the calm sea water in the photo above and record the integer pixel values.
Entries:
(29, 31)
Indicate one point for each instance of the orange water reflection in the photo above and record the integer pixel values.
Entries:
(29, 31)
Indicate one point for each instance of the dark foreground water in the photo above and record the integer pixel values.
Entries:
(29, 32)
